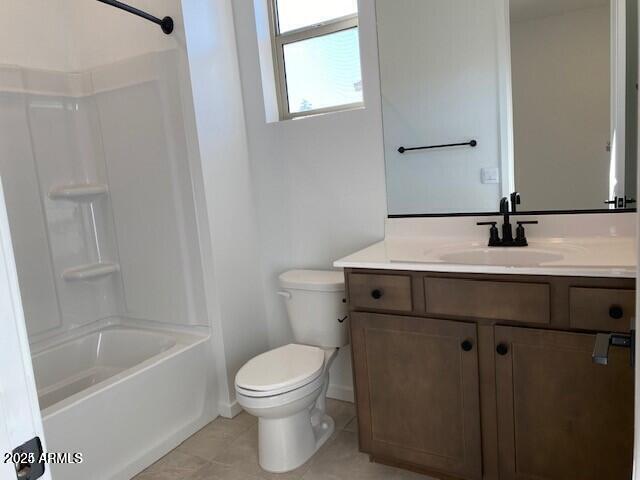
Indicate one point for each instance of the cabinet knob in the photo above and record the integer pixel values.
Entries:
(616, 312)
(502, 349)
(467, 345)
(376, 294)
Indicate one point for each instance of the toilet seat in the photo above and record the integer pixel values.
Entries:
(280, 371)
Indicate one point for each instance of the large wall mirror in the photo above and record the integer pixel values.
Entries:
(484, 98)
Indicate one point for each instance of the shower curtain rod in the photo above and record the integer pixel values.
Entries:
(166, 23)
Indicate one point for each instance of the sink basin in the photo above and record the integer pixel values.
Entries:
(515, 257)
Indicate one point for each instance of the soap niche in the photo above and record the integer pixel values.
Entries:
(91, 198)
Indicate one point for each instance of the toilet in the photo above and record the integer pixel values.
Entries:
(286, 387)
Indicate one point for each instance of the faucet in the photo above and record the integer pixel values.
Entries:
(507, 239)
(507, 232)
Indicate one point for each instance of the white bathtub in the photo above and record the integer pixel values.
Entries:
(121, 394)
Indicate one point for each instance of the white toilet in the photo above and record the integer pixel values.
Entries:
(286, 387)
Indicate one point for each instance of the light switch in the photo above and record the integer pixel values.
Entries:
(491, 175)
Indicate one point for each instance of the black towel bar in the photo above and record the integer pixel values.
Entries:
(472, 143)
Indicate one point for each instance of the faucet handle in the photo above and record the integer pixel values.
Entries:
(494, 236)
(521, 238)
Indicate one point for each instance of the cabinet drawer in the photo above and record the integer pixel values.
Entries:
(602, 309)
(523, 302)
(381, 292)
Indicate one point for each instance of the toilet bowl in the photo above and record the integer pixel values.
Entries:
(292, 422)
(286, 387)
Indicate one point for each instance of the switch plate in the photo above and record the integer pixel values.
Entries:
(490, 175)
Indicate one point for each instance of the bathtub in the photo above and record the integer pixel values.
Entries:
(122, 394)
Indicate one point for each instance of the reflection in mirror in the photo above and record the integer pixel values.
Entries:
(547, 106)
(565, 117)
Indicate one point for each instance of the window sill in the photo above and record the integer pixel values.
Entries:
(323, 113)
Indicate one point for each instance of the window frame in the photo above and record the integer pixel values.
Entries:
(280, 40)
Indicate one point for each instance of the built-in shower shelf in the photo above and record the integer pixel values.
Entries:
(79, 192)
(91, 271)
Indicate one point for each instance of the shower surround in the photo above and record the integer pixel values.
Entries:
(101, 208)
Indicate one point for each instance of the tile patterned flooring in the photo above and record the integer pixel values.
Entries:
(228, 450)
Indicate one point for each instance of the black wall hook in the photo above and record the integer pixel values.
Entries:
(165, 23)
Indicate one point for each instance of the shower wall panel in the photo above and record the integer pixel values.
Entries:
(26, 213)
(55, 141)
(150, 184)
(120, 125)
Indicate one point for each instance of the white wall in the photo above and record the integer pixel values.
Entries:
(227, 216)
(561, 109)
(76, 35)
(113, 35)
(35, 34)
(318, 182)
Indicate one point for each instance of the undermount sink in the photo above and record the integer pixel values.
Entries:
(516, 257)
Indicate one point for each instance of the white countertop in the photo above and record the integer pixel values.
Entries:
(588, 252)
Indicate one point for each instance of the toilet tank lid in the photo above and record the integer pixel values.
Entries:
(313, 280)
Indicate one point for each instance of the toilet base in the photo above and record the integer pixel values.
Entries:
(324, 430)
(287, 443)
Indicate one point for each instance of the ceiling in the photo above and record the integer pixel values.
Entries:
(530, 9)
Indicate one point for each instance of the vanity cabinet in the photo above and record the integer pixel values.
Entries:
(471, 376)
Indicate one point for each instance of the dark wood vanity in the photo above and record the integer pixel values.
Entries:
(469, 376)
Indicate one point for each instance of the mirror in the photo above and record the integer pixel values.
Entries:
(481, 99)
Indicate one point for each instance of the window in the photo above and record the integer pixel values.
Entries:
(317, 56)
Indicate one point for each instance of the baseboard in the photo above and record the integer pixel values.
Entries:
(340, 392)
(229, 410)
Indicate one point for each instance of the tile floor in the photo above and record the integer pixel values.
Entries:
(228, 450)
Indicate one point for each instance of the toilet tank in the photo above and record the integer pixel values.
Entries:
(316, 306)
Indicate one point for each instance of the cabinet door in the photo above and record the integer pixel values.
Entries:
(560, 416)
(417, 392)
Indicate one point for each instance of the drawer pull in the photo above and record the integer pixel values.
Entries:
(616, 312)
(376, 294)
(467, 345)
(502, 349)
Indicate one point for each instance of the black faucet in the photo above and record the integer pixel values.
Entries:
(507, 239)
(507, 232)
